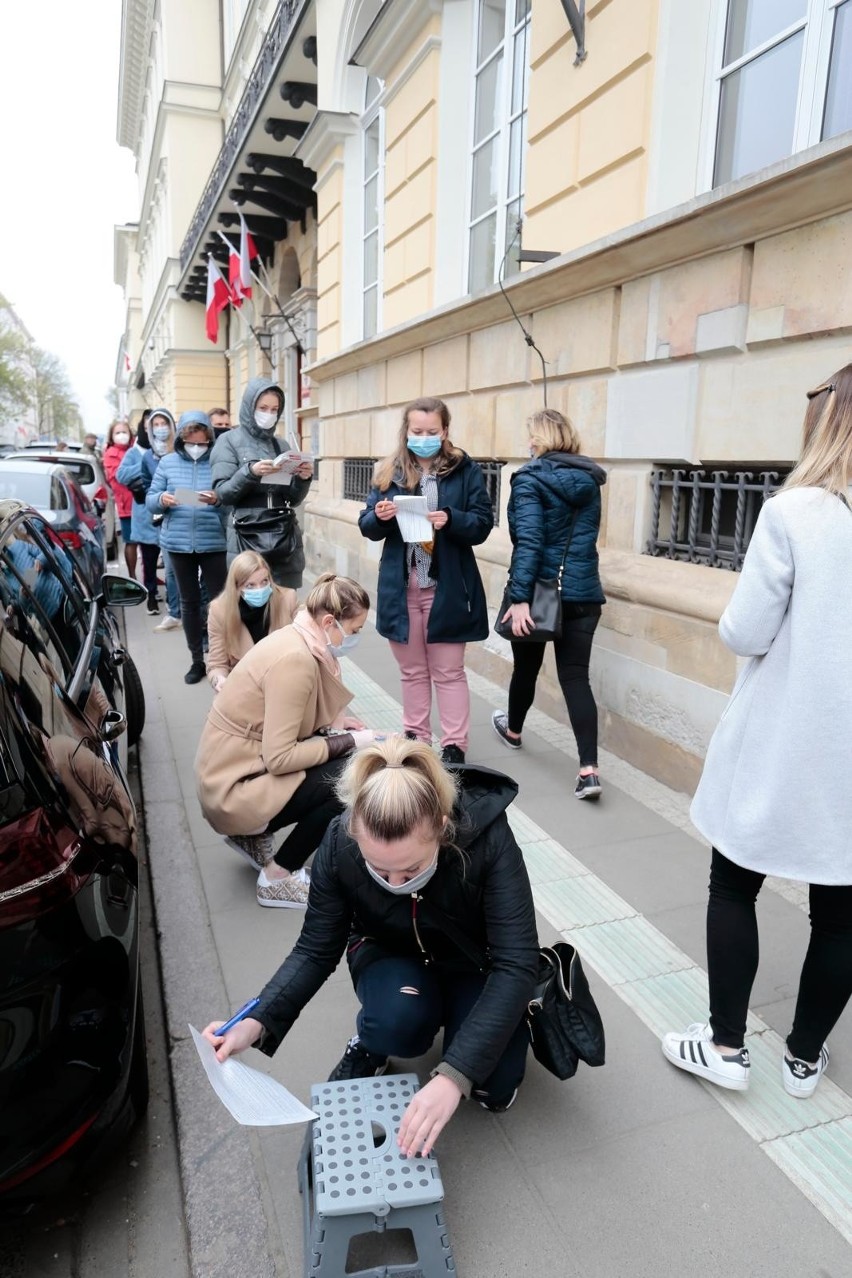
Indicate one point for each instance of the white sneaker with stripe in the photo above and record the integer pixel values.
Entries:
(695, 1052)
(801, 1077)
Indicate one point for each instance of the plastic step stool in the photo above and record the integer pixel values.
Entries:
(355, 1180)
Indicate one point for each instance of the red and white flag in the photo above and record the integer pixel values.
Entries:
(218, 297)
(248, 252)
(126, 362)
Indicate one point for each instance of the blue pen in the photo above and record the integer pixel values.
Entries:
(245, 1010)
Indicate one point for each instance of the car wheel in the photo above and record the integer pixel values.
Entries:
(134, 702)
(137, 1086)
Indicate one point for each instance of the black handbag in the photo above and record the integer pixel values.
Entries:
(271, 533)
(545, 605)
(564, 1023)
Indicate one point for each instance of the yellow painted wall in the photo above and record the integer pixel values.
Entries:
(329, 252)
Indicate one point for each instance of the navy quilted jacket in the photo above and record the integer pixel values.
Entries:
(547, 493)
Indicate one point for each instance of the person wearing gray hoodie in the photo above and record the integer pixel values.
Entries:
(240, 460)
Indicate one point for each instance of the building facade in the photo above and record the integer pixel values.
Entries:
(682, 173)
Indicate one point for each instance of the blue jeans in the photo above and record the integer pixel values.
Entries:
(393, 1021)
(172, 592)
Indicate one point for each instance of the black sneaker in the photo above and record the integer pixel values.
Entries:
(497, 1106)
(452, 756)
(153, 607)
(410, 736)
(500, 724)
(195, 673)
(588, 787)
(357, 1062)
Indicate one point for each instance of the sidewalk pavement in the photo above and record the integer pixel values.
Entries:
(631, 1170)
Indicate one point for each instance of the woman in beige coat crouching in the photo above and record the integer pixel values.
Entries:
(276, 740)
(249, 608)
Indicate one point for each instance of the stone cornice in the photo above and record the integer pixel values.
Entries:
(813, 184)
(137, 21)
(395, 26)
(327, 130)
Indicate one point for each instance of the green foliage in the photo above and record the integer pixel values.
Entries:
(34, 378)
(15, 379)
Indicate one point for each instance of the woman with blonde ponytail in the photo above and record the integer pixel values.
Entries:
(421, 883)
(775, 796)
(277, 737)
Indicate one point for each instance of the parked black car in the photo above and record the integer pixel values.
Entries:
(73, 1070)
(57, 495)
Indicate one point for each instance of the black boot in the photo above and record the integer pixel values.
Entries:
(195, 673)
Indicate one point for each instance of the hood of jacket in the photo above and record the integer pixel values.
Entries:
(194, 419)
(483, 795)
(575, 461)
(257, 386)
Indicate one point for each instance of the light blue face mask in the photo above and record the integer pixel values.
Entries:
(257, 596)
(347, 643)
(424, 445)
(413, 885)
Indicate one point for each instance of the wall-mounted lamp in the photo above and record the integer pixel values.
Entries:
(577, 18)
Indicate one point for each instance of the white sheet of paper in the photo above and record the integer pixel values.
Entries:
(187, 497)
(252, 1098)
(411, 517)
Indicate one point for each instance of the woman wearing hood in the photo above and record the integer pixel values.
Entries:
(554, 521)
(241, 459)
(193, 529)
(430, 598)
(154, 439)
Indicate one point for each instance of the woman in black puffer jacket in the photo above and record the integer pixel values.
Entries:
(417, 853)
(556, 497)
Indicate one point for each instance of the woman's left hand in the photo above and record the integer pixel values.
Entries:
(209, 499)
(305, 471)
(438, 518)
(352, 725)
(427, 1115)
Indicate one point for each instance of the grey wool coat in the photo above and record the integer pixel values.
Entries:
(776, 792)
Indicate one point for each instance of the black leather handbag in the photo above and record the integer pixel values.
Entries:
(271, 533)
(545, 605)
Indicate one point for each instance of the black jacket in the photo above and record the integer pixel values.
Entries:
(485, 892)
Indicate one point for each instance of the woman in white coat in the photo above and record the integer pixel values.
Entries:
(775, 796)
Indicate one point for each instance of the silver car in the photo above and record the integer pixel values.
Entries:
(88, 470)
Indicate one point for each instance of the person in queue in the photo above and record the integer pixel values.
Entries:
(241, 459)
(249, 608)
(788, 723)
(193, 535)
(415, 845)
(555, 505)
(154, 439)
(118, 439)
(430, 598)
(277, 737)
(220, 420)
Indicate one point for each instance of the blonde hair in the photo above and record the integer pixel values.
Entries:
(826, 458)
(550, 432)
(245, 565)
(393, 786)
(341, 596)
(400, 462)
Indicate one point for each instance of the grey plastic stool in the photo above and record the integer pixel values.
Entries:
(355, 1180)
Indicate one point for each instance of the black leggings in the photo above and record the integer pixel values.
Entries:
(732, 955)
(214, 570)
(312, 808)
(150, 554)
(572, 651)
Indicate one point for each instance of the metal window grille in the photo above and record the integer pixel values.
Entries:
(708, 517)
(492, 471)
(358, 477)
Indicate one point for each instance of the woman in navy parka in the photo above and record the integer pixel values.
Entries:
(193, 530)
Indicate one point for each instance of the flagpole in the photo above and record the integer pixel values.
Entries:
(266, 287)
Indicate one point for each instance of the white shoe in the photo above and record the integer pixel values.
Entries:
(169, 623)
(695, 1052)
(801, 1077)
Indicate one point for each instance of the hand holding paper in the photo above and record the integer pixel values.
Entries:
(252, 1098)
(187, 497)
(411, 516)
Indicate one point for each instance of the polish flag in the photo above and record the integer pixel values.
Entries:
(126, 362)
(248, 253)
(218, 297)
(237, 295)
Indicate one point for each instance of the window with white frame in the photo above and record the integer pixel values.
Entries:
(372, 173)
(785, 80)
(233, 13)
(501, 90)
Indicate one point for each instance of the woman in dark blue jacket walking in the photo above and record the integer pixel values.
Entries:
(193, 531)
(430, 598)
(556, 504)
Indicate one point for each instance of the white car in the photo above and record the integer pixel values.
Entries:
(88, 470)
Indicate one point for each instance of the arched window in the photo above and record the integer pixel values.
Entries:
(372, 177)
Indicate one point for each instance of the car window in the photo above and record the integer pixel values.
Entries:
(29, 486)
(83, 471)
(58, 495)
(40, 585)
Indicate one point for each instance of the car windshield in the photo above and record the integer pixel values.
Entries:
(33, 487)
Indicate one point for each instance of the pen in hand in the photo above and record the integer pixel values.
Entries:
(245, 1010)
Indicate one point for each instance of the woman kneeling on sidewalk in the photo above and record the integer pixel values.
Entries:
(276, 738)
(417, 854)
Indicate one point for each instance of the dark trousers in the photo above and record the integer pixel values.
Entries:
(214, 570)
(732, 956)
(573, 650)
(150, 554)
(404, 1004)
(312, 808)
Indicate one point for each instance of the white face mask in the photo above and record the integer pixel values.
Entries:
(266, 421)
(159, 446)
(196, 451)
(121, 437)
(413, 885)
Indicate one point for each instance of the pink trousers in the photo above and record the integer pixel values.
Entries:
(423, 664)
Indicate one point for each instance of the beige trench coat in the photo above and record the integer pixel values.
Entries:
(283, 607)
(260, 733)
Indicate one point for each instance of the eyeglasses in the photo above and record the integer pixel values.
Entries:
(821, 391)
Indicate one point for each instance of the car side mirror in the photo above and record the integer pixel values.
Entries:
(112, 725)
(121, 592)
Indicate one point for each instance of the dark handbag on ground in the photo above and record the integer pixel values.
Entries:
(271, 533)
(564, 1023)
(545, 605)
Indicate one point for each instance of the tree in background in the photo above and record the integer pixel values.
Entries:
(34, 383)
(57, 410)
(16, 389)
